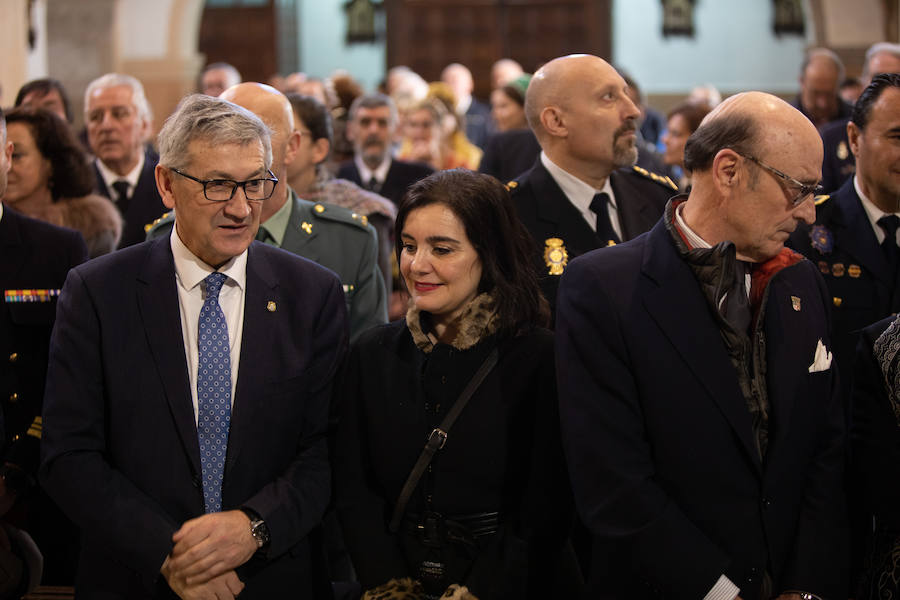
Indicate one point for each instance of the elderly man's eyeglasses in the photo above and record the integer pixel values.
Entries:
(803, 190)
(222, 190)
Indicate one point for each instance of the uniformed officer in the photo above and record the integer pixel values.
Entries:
(838, 165)
(36, 258)
(854, 238)
(332, 236)
(583, 192)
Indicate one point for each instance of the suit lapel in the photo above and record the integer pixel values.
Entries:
(791, 354)
(636, 215)
(556, 210)
(260, 327)
(857, 236)
(677, 305)
(158, 305)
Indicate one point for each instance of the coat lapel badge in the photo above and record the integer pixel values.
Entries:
(307, 227)
(271, 306)
(822, 239)
(555, 255)
(795, 303)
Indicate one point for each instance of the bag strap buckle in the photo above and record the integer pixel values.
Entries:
(437, 432)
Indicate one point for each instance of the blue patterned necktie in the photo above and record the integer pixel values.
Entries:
(213, 392)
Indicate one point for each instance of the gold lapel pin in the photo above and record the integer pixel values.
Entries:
(271, 306)
(307, 227)
(795, 303)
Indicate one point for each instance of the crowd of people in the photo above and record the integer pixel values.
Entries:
(317, 342)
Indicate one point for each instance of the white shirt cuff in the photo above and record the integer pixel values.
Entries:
(723, 590)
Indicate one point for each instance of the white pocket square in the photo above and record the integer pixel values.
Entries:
(822, 359)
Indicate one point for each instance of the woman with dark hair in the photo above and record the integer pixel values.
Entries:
(683, 120)
(492, 509)
(508, 104)
(51, 179)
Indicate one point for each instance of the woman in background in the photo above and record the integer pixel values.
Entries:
(683, 120)
(51, 179)
(493, 509)
(508, 104)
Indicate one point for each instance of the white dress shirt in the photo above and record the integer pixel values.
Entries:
(581, 194)
(873, 212)
(190, 272)
(110, 177)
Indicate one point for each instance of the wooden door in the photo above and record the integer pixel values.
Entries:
(427, 35)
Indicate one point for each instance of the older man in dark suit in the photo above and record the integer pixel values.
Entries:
(118, 121)
(583, 193)
(188, 386)
(373, 122)
(700, 410)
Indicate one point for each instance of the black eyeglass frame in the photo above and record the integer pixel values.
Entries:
(806, 190)
(237, 184)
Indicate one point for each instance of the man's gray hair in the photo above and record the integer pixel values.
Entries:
(214, 121)
(875, 49)
(825, 53)
(374, 101)
(138, 98)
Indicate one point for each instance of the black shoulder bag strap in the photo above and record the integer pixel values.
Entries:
(438, 438)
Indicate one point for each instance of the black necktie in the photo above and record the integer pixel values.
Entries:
(605, 231)
(262, 235)
(373, 185)
(736, 308)
(889, 246)
(121, 189)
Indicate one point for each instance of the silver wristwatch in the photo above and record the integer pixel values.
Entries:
(258, 529)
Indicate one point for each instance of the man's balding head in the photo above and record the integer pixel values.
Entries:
(820, 77)
(737, 194)
(275, 110)
(579, 109)
(883, 57)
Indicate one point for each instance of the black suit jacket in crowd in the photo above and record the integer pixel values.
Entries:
(400, 176)
(120, 451)
(547, 214)
(144, 205)
(658, 436)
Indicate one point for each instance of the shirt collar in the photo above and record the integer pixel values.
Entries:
(873, 212)
(110, 176)
(365, 173)
(693, 240)
(190, 270)
(277, 224)
(578, 192)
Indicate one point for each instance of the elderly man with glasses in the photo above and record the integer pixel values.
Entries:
(699, 404)
(188, 386)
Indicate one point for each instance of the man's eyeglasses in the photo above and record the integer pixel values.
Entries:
(222, 190)
(804, 190)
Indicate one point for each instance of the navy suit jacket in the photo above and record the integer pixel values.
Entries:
(861, 285)
(144, 206)
(120, 449)
(547, 213)
(400, 176)
(658, 436)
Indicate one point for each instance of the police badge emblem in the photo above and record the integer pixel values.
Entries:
(821, 239)
(842, 152)
(555, 256)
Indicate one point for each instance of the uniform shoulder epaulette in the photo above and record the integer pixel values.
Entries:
(819, 200)
(663, 180)
(164, 218)
(333, 212)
